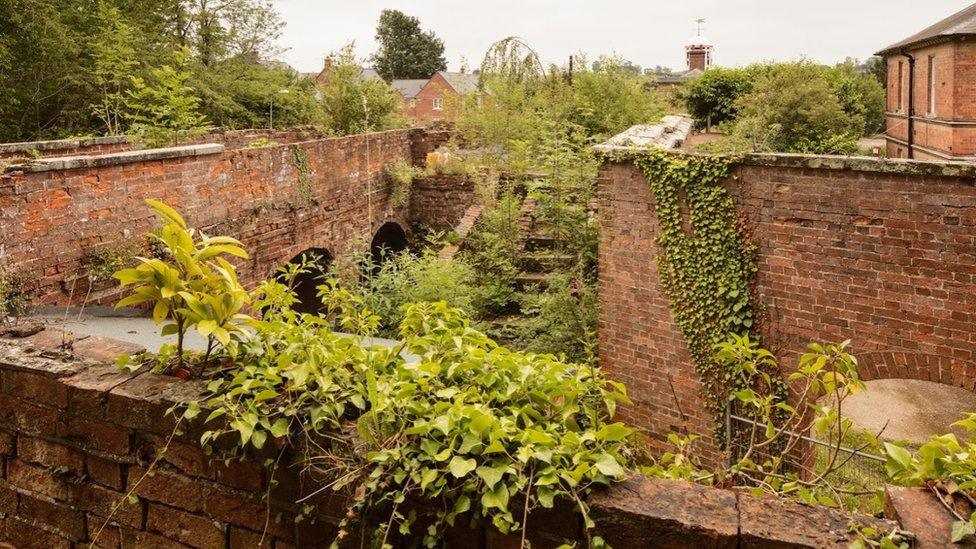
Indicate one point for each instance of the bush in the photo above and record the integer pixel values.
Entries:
(14, 294)
(792, 106)
(408, 278)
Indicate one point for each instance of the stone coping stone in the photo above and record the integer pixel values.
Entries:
(918, 511)
(624, 146)
(115, 159)
(61, 144)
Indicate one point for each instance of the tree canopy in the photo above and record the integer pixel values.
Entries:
(405, 50)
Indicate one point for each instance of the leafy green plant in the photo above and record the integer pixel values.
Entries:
(947, 466)
(14, 294)
(194, 286)
(299, 158)
(471, 426)
(401, 175)
(824, 378)
(261, 143)
(164, 108)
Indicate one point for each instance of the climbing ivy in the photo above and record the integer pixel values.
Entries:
(705, 264)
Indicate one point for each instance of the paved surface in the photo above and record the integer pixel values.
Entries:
(914, 410)
(132, 327)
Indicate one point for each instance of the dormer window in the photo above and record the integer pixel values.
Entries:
(437, 103)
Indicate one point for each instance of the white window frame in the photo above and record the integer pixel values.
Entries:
(933, 85)
(413, 102)
(438, 103)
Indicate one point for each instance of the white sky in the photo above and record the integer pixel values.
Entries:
(648, 32)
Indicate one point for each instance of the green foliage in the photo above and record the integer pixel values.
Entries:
(406, 278)
(714, 95)
(946, 464)
(14, 294)
(793, 105)
(563, 320)
(67, 69)
(705, 264)
(102, 262)
(165, 108)
(352, 104)
(406, 51)
(194, 286)
(471, 426)
(299, 158)
(861, 95)
(611, 98)
(114, 58)
(401, 175)
(493, 249)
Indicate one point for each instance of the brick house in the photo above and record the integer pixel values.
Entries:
(436, 99)
(408, 90)
(931, 110)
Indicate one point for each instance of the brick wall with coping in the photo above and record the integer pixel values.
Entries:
(880, 252)
(53, 212)
(77, 434)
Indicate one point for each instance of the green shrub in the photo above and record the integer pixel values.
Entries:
(14, 294)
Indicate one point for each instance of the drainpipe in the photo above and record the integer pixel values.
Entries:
(911, 103)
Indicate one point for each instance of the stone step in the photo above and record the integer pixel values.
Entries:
(531, 281)
(545, 261)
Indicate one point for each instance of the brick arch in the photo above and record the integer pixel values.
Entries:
(318, 261)
(915, 365)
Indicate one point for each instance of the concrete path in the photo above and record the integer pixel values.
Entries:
(131, 326)
(914, 410)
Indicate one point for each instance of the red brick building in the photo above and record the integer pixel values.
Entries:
(437, 98)
(931, 111)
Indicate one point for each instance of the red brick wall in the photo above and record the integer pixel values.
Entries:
(881, 253)
(955, 78)
(438, 202)
(77, 435)
(50, 218)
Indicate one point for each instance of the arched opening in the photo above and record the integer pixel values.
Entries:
(390, 240)
(316, 263)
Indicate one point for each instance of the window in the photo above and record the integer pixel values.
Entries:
(437, 103)
(932, 85)
(413, 103)
(898, 91)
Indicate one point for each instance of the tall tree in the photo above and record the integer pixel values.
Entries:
(405, 50)
(113, 50)
(165, 107)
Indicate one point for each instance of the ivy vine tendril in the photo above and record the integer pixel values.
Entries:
(705, 263)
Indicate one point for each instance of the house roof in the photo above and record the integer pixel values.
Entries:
(409, 88)
(961, 23)
(462, 82)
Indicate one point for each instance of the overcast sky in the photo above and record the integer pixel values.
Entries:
(648, 32)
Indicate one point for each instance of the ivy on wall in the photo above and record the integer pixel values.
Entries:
(705, 264)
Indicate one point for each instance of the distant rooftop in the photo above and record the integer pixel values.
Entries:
(409, 88)
(462, 82)
(958, 24)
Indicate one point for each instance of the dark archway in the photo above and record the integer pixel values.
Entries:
(317, 262)
(390, 240)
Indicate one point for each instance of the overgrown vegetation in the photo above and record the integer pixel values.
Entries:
(446, 415)
(788, 107)
(706, 262)
(14, 294)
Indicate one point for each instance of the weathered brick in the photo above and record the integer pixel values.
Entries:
(63, 519)
(99, 435)
(50, 454)
(104, 471)
(40, 480)
(25, 535)
(193, 530)
(170, 488)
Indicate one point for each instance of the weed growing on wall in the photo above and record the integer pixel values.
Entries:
(299, 158)
(705, 265)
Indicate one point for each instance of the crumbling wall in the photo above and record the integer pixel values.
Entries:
(279, 200)
(77, 435)
(880, 252)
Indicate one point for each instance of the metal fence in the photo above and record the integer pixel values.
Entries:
(853, 470)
